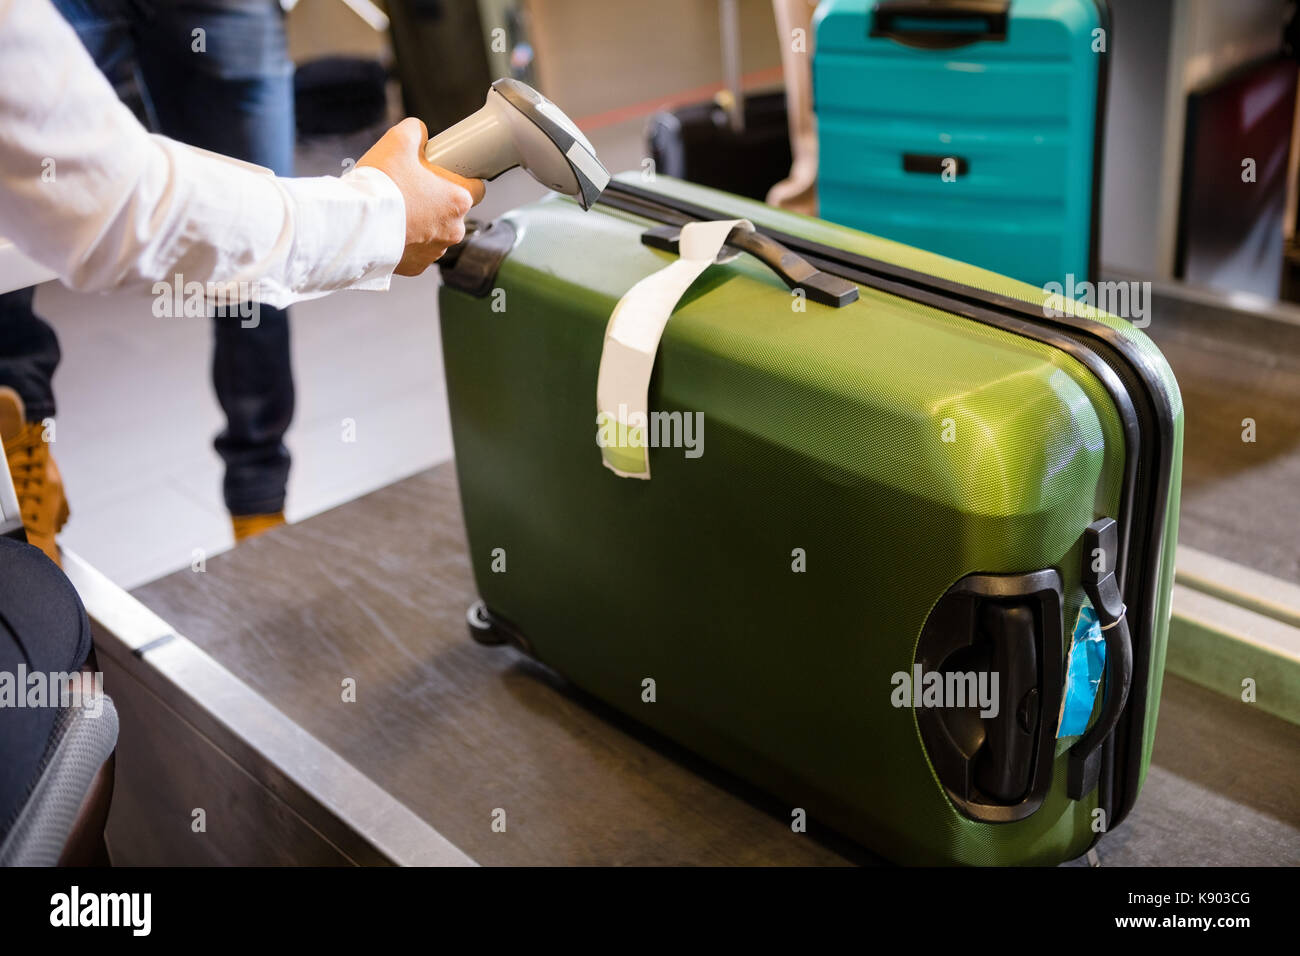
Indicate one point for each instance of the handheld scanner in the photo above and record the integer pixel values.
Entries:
(517, 126)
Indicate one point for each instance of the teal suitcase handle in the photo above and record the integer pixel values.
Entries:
(940, 24)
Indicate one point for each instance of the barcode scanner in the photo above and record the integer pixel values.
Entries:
(517, 126)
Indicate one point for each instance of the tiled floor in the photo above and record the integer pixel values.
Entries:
(137, 415)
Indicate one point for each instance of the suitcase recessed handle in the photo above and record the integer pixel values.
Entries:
(935, 164)
(794, 270)
(1102, 588)
(1010, 737)
(995, 767)
(940, 24)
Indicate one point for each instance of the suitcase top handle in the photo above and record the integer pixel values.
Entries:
(794, 270)
(638, 321)
(940, 24)
(632, 336)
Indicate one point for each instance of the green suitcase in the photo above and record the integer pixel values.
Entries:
(913, 485)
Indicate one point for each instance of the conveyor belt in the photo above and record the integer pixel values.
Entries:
(376, 590)
(1241, 500)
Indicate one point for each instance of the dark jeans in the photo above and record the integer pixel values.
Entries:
(234, 96)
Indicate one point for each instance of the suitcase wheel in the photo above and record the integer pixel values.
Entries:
(493, 631)
(481, 627)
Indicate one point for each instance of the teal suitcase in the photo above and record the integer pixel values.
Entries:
(971, 128)
(909, 467)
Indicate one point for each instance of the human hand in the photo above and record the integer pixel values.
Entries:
(437, 200)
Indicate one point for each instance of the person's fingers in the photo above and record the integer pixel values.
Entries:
(475, 187)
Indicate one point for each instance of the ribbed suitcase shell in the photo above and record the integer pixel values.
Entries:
(1022, 112)
(823, 432)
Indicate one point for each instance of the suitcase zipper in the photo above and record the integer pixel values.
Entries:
(1133, 384)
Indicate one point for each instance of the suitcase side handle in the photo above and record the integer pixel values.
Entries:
(1101, 539)
(935, 164)
(794, 270)
(940, 24)
(996, 766)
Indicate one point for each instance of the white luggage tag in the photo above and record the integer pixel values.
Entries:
(632, 341)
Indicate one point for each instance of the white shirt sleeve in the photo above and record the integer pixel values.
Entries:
(87, 192)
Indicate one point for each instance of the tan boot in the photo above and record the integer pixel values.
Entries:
(36, 477)
(249, 526)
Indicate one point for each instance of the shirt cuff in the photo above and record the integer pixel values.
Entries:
(349, 232)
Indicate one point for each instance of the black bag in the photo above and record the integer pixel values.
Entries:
(697, 143)
(737, 143)
(335, 95)
(43, 629)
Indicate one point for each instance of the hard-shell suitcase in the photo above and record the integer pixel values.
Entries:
(971, 128)
(696, 143)
(924, 476)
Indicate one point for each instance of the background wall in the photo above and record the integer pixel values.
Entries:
(1223, 34)
(594, 56)
(326, 27)
(1162, 49)
(1139, 68)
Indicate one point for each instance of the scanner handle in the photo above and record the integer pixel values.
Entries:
(478, 147)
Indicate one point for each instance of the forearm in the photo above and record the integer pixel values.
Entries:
(87, 192)
(211, 220)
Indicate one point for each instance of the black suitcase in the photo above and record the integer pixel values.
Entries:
(337, 95)
(736, 143)
(697, 143)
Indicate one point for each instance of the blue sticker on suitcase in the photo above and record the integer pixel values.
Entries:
(1085, 665)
